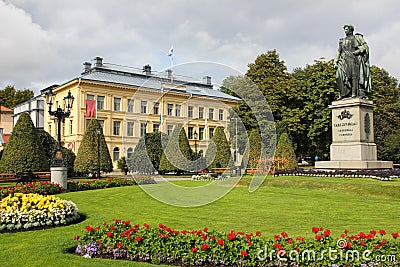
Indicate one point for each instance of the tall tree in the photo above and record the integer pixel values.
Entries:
(386, 97)
(12, 97)
(221, 151)
(24, 150)
(87, 156)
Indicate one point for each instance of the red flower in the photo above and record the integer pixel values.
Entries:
(99, 242)
(377, 247)
(327, 233)
(126, 223)
(395, 235)
(284, 234)
(348, 245)
(117, 221)
(109, 234)
(382, 232)
(300, 239)
(205, 229)
(112, 228)
(276, 237)
(204, 237)
(278, 246)
(76, 237)
(138, 239)
(373, 232)
(315, 230)
(244, 253)
(194, 249)
(346, 231)
(221, 242)
(119, 245)
(166, 236)
(104, 223)
(89, 228)
(146, 225)
(204, 246)
(362, 243)
(290, 240)
(212, 237)
(249, 243)
(258, 233)
(362, 235)
(231, 236)
(383, 242)
(318, 237)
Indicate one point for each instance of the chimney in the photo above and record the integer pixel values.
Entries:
(207, 80)
(169, 74)
(87, 66)
(147, 69)
(98, 61)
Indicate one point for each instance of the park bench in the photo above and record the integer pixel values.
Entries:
(219, 170)
(254, 171)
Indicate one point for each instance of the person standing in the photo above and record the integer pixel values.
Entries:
(352, 65)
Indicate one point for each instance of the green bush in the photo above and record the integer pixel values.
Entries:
(87, 156)
(171, 159)
(24, 150)
(50, 147)
(221, 150)
(121, 164)
(284, 150)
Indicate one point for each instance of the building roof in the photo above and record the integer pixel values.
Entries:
(5, 109)
(111, 73)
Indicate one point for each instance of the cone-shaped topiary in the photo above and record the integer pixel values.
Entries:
(87, 156)
(24, 150)
(147, 154)
(178, 155)
(284, 150)
(254, 149)
(50, 146)
(221, 150)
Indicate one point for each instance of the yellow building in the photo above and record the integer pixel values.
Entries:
(131, 102)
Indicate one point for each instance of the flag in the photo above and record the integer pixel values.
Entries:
(171, 51)
(91, 108)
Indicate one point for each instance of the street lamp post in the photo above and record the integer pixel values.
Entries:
(98, 152)
(195, 149)
(1, 102)
(59, 114)
(58, 169)
(236, 147)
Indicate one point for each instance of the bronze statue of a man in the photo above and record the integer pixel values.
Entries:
(352, 65)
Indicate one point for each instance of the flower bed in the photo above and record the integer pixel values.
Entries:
(383, 175)
(107, 183)
(25, 211)
(163, 245)
(43, 188)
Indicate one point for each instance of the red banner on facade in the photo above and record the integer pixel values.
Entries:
(91, 108)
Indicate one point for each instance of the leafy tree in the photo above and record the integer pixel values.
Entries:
(24, 150)
(147, 154)
(221, 150)
(177, 156)
(87, 156)
(12, 97)
(320, 84)
(50, 147)
(284, 150)
(386, 97)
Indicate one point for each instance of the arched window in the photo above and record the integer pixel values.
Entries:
(116, 153)
(129, 153)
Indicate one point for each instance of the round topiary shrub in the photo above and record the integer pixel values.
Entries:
(24, 211)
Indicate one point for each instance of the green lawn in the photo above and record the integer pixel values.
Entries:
(291, 204)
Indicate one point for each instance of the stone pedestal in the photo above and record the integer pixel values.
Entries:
(59, 176)
(353, 144)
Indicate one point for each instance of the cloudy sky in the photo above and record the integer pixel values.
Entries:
(46, 41)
